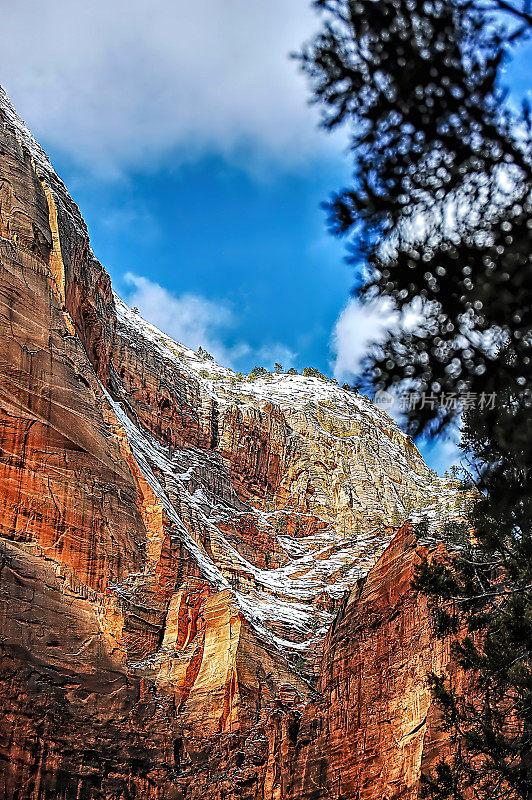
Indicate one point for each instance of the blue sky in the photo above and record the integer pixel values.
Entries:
(256, 246)
(183, 131)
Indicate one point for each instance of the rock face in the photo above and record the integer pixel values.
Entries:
(205, 584)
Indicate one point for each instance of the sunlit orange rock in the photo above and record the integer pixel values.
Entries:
(204, 581)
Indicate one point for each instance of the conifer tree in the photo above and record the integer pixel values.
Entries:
(437, 219)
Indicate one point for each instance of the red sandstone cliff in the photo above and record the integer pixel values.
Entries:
(176, 549)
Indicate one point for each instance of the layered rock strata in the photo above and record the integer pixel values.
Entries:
(177, 546)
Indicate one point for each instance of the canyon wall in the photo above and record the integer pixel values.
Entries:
(204, 577)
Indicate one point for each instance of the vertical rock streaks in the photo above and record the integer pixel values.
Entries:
(204, 578)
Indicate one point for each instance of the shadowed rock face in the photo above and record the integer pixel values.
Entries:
(204, 584)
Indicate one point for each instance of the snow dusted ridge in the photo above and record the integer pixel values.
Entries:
(43, 167)
(292, 391)
(40, 159)
(367, 477)
(349, 474)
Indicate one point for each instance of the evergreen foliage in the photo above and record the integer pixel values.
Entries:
(204, 354)
(482, 595)
(438, 211)
(312, 372)
(258, 371)
(438, 220)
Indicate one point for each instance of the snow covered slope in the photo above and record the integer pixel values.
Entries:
(347, 477)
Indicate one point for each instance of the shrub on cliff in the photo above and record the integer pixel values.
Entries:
(204, 354)
(257, 372)
(312, 372)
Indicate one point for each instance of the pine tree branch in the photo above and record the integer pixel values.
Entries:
(497, 593)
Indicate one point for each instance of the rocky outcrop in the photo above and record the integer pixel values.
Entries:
(368, 734)
(205, 590)
(66, 491)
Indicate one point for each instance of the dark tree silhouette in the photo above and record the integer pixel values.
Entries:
(439, 207)
(438, 220)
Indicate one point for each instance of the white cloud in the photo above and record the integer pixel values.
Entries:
(194, 320)
(356, 328)
(190, 319)
(121, 84)
(362, 324)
